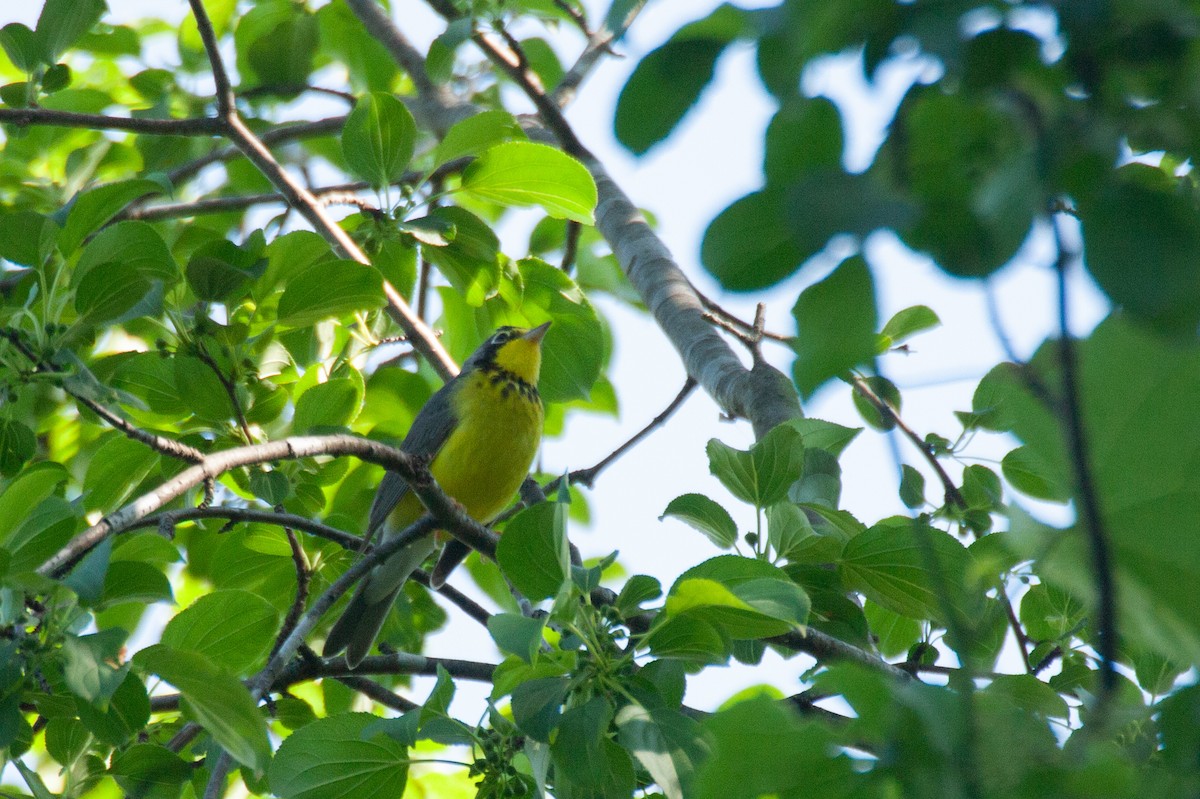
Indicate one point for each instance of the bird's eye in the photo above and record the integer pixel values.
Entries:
(502, 336)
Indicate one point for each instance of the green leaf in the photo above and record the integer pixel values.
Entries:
(24, 236)
(835, 325)
(885, 390)
(378, 138)
(1140, 235)
(516, 635)
(334, 403)
(330, 289)
(576, 345)
(752, 738)
(688, 638)
(537, 705)
(132, 581)
(585, 758)
(331, 759)
(66, 739)
(87, 669)
(215, 699)
(283, 56)
(21, 46)
(469, 259)
(894, 634)
(706, 515)
(221, 271)
(231, 628)
(91, 209)
(131, 243)
(57, 78)
(17, 445)
(62, 22)
(912, 487)
(1027, 473)
(820, 434)
(886, 563)
(473, 135)
(639, 589)
(907, 323)
(199, 389)
(1028, 692)
(1049, 613)
(533, 550)
(668, 744)
(109, 292)
(118, 467)
(805, 134)
(128, 713)
(971, 169)
(523, 174)
(793, 538)
(762, 475)
(668, 80)
(26, 491)
(744, 597)
(150, 771)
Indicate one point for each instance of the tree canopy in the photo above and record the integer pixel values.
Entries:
(220, 310)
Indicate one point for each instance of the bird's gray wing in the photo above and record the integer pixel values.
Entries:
(428, 432)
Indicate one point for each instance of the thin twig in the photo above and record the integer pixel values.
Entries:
(303, 580)
(737, 326)
(1089, 501)
(230, 389)
(161, 444)
(863, 389)
(195, 126)
(169, 519)
(316, 668)
(599, 44)
(586, 477)
(571, 245)
(377, 693)
(953, 496)
(282, 89)
(279, 134)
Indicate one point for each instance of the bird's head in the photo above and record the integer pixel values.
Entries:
(514, 349)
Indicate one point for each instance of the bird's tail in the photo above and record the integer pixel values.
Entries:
(355, 631)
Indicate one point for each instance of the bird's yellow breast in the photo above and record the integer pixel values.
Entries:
(488, 455)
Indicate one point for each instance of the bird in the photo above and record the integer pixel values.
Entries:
(480, 432)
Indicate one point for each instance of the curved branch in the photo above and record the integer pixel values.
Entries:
(450, 515)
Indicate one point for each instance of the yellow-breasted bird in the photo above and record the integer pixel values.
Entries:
(481, 431)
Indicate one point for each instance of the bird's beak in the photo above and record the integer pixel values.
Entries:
(537, 334)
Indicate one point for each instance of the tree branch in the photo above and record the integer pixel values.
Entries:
(953, 495)
(275, 135)
(306, 669)
(300, 198)
(168, 519)
(1089, 500)
(586, 477)
(450, 515)
(194, 126)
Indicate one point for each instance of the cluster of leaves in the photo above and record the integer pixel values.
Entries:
(195, 328)
(1036, 123)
